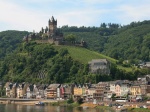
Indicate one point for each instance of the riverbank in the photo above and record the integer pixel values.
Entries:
(125, 108)
(51, 102)
(138, 110)
(28, 108)
(25, 101)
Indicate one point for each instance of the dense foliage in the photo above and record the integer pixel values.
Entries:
(33, 62)
(130, 42)
(44, 63)
(9, 41)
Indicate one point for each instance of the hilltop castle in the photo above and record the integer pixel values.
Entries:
(52, 26)
(53, 35)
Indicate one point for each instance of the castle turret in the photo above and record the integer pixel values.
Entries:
(42, 30)
(52, 19)
(52, 26)
(49, 22)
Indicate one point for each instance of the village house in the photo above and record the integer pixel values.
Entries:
(144, 79)
(77, 91)
(7, 87)
(108, 95)
(101, 87)
(52, 91)
(22, 90)
(135, 91)
(118, 90)
(67, 91)
(122, 88)
(29, 91)
(139, 89)
(91, 91)
(85, 89)
(61, 92)
(99, 66)
(144, 84)
(35, 91)
(143, 89)
(41, 91)
(148, 91)
(19, 91)
(13, 91)
(112, 85)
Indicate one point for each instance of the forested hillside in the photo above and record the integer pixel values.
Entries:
(9, 41)
(130, 42)
(40, 63)
(45, 63)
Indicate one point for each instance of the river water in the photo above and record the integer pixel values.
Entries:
(29, 108)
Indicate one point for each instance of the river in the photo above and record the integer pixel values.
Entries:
(31, 108)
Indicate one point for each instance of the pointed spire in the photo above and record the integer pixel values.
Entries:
(52, 19)
(49, 21)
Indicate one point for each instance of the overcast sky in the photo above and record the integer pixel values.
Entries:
(31, 15)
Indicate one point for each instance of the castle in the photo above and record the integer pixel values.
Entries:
(51, 34)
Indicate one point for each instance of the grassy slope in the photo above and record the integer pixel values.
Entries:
(84, 55)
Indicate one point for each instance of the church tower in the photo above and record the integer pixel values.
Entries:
(52, 26)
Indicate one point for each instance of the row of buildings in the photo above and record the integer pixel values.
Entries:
(102, 91)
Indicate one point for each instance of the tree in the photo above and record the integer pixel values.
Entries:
(70, 100)
(70, 38)
(80, 100)
(103, 25)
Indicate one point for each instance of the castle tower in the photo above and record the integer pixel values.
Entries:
(52, 26)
